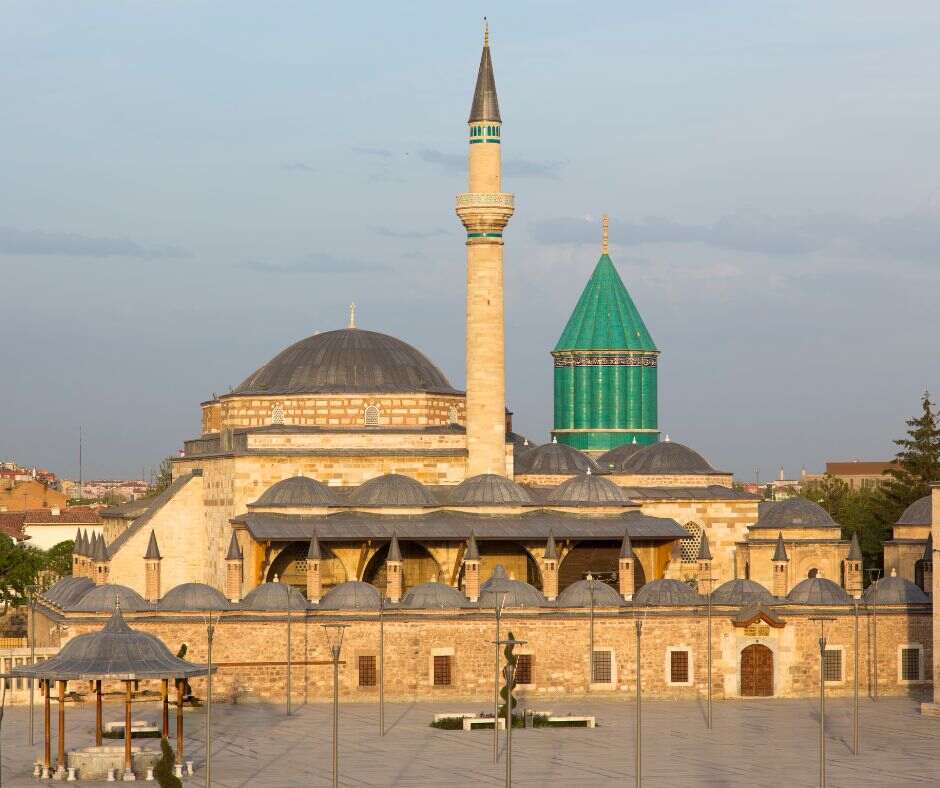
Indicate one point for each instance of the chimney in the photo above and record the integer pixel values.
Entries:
(314, 578)
(550, 569)
(781, 562)
(234, 566)
(393, 566)
(471, 569)
(152, 561)
(625, 572)
(704, 562)
(77, 555)
(853, 569)
(100, 560)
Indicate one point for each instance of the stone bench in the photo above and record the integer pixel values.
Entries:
(469, 723)
(453, 716)
(94, 763)
(137, 726)
(589, 722)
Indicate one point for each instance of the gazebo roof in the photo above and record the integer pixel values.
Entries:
(116, 652)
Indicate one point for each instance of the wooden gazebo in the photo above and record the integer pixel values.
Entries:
(115, 653)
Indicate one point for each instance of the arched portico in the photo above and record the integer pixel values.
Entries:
(290, 566)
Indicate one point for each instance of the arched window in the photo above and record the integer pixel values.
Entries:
(690, 545)
(372, 416)
(277, 414)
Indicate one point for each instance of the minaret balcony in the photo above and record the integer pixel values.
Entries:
(484, 213)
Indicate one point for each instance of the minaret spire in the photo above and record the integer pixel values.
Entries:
(352, 316)
(484, 211)
(605, 224)
(486, 32)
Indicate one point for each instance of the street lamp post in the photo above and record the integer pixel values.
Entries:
(510, 675)
(708, 650)
(872, 573)
(382, 665)
(334, 634)
(210, 634)
(289, 661)
(822, 697)
(855, 699)
(591, 586)
(639, 701)
(498, 598)
(32, 591)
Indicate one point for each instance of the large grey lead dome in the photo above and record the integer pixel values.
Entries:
(349, 360)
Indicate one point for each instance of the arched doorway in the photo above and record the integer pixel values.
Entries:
(418, 566)
(290, 566)
(599, 558)
(757, 671)
(512, 556)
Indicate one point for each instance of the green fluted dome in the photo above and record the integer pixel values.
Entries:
(605, 317)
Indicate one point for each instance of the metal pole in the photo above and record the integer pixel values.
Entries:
(855, 702)
(509, 677)
(590, 580)
(709, 654)
(287, 586)
(874, 641)
(32, 657)
(639, 712)
(822, 713)
(382, 665)
(497, 602)
(210, 631)
(335, 718)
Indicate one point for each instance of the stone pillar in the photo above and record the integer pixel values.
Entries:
(484, 211)
(781, 563)
(314, 578)
(393, 567)
(234, 570)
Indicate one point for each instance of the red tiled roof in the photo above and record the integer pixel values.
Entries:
(859, 468)
(11, 524)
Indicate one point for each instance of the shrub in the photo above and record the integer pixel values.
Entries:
(163, 771)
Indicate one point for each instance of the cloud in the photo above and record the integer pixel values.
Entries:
(40, 242)
(388, 232)
(516, 168)
(380, 153)
(317, 263)
(297, 166)
(912, 236)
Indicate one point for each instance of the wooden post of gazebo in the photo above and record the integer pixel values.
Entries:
(47, 728)
(128, 762)
(98, 720)
(60, 766)
(165, 691)
(179, 721)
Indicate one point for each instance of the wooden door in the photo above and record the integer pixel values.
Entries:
(757, 671)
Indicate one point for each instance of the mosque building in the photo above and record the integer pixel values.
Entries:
(347, 477)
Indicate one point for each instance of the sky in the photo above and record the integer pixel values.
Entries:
(189, 187)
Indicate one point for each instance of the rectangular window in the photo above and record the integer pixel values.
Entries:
(523, 669)
(602, 667)
(442, 671)
(367, 672)
(832, 664)
(679, 667)
(910, 663)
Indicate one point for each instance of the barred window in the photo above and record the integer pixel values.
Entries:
(689, 546)
(832, 664)
(367, 672)
(602, 667)
(523, 669)
(442, 671)
(910, 664)
(372, 416)
(679, 667)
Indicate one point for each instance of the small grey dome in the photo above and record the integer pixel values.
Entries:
(67, 591)
(512, 593)
(392, 489)
(352, 595)
(666, 458)
(742, 593)
(613, 460)
(918, 513)
(193, 596)
(431, 596)
(297, 491)
(102, 599)
(590, 489)
(489, 489)
(554, 459)
(818, 591)
(666, 592)
(519, 442)
(894, 591)
(273, 596)
(579, 595)
(794, 512)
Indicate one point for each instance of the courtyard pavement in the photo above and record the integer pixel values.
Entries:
(753, 743)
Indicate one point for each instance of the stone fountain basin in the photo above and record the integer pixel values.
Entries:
(93, 763)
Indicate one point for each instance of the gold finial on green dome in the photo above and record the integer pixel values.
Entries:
(605, 224)
(486, 32)
(352, 316)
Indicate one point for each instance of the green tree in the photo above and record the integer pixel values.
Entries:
(163, 771)
(164, 478)
(58, 558)
(829, 492)
(19, 568)
(918, 464)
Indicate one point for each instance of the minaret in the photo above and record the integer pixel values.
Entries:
(484, 210)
